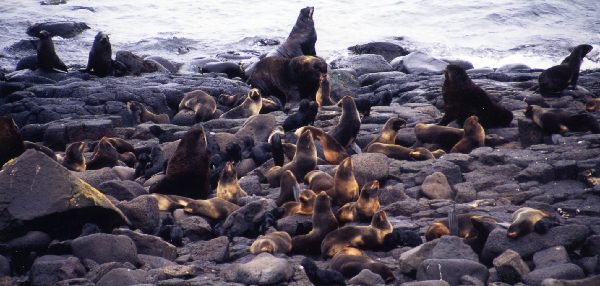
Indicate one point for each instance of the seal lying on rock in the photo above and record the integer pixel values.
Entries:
(554, 121)
(350, 261)
(250, 106)
(474, 229)
(474, 136)
(321, 277)
(230, 69)
(307, 111)
(444, 136)
(557, 78)
(274, 242)
(214, 208)
(303, 206)
(46, 55)
(388, 132)
(526, 220)
(201, 103)
(141, 114)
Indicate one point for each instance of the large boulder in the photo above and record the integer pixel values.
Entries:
(388, 51)
(38, 193)
(436, 186)
(362, 64)
(102, 248)
(264, 269)
(142, 212)
(149, 244)
(451, 270)
(49, 269)
(419, 62)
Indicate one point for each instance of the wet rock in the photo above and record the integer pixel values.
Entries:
(49, 269)
(62, 29)
(103, 248)
(4, 266)
(419, 62)
(567, 271)
(153, 262)
(97, 177)
(264, 269)
(449, 247)
(216, 250)
(369, 166)
(436, 186)
(362, 64)
(510, 267)
(149, 244)
(142, 212)
(411, 259)
(388, 51)
(451, 270)
(122, 190)
(513, 68)
(551, 256)
(60, 133)
(123, 276)
(366, 277)
(247, 220)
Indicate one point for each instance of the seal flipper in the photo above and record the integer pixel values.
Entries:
(453, 221)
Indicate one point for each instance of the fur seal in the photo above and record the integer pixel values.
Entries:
(554, 121)
(228, 187)
(288, 80)
(345, 187)
(393, 151)
(557, 78)
(230, 69)
(187, 171)
(364, 208)
(141, 114)
(305, 160)
(526, 220)
(169, 203)
(474, 136)
(320, 277)
(349, 124)
(203, 105)
(302, 38)
(389, 131)
(289, 189)
(105, 155)
(228, 100)
(318, 181)
(357, 236)
(274, 242)
(46, 55)
(463, 98)
(120, 144)
(277, 148)
(250, 106)
(350, 261)
(444, 136)
(99, 61)
(593, 105)
(214, 208)
(323, 96)
(151, 160)
(474, 229)
(304, 205)
(323, 222)
(306, 114)
(11, 141)
(422, 154)
(74, 159)
(333, 151)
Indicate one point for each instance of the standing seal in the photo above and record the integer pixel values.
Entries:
(389, 131)
(474, 137)
(554, 121)
(306, 114)
(274, 242)
(228, 187)
(444, 136)
(333, 151)
(557, 78)
(249, 107)
(74, 159)
(100, 62)
(201, 103)
(46, 55)
(188, 170)
(323, 222)
(364, 208)
(323, 96)
(345, 187)
(302, 38)
(350, 261)
(463, 98)
(289, 189)
(526, 220)
(349, 124)
(141, 114)
(305, 160)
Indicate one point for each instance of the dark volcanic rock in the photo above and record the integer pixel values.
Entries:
(388, 51)
(567, 271)
(451, 270)
(510, 267)
(102, 248)
(49, 269)
(61, 29)
(149, 244)
(362, 64)
(264, 269)
(143, 213)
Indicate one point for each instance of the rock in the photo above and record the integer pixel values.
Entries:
(216, 250)
(62, 29)
(513, 68)
(392, 194)
(4, 266)
(75, 281)
(154, 262)
(451, 270)
(123, 276)
(388, 51)
(591, 246)
(362, 64)
(426, 283)
(529, 133)
(449, 247)
(551, 256)
(64, 197)
(465, 192)
(369, 166)
(590, 281)
(98, 270)
(510, 267)
(49, 269)
(290, 224)
(466, 65)
(195, 227)
(178, 271)
(419, 62)
(122, 190)
(411, 259)
(264, 269)
(436, 186)
(259, 127)
(541, 172)
(61, 132)
(568, 271)
(143, 213)
(103, 248)
(246, 220)
(149, 244)
(96, 177)
(367, 278)
(134, 63)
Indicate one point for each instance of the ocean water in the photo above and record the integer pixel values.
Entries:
(489, 33)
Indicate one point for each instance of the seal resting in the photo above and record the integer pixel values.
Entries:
(557, 78)
(554, 121)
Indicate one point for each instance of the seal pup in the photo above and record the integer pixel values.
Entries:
(558, 78)
(214, 208)
(105, 155)
(389, 131)
(249, 107)
(364, 208)
(100, 62)
(349, 124)
(228, 187)
(203, 105)
(46, 55)
(289, 190)
(350, 261)
(345, 187)
(305, 160)
(303, 206)
(323, 222)
(554, 121)
(230, 69)
(302, 38)
(320, 277)
(526, 220)
(444, 136)
(74, 159)
(306, 114)
(274, 242)
(370, 236)
(187, 171)
(333, 151)
(474, 137)
(323, 96)
(463, 98)
(318, 181)
(141, 114)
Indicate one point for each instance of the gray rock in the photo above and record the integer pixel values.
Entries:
(216, 250)
(246, 220)
(367, 278)
(529, 133)
(264, 269)
(551, 256)
(342, 82)
(466, 65)
(98, 270)
(426, 283)
(513, 68)
(122, 190)
(75, 281)
(149, 244)
(195, 227)
(419, 62)
(465, 192)
(450, 247)
(391, 194)
(123, 276)
(362, 64)
(451, 270)
(591, 246)
(143, 213)
(411, 259)
(103, 248)
(510, 267)
(388, 51)
(49, 269)
(436, 186)
(590, 281)
(96, 177)
(567, 271)
(61, 132)
(4, 266)
(154, 262)
(369, 166)
(541, 172)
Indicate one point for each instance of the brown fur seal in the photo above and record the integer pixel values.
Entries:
(228, 100)
(228, 187)
(250, 106)
(444, 136)
(323, 222)
(302, 38)
(389, 131)
(289, 80)
(350, 261)
(422, 154)
(318, 181)
(593, 105)
(289, 189)
(188, 170)
(46, 55)
(141, 114)
(333, 151)
(169, 203)
(474, 229)
(526, 220)
(345, 188)
(230, 69)
(554, 121)
(304, 205)
(120, 144)
(357, 236)
(105, 155)
(349, 124)
(364, 208)
(100, 58)
(438, 153)
(391, 150)
(274, 242)
(11, 141)
(203, 105)
(214, 208)
(559, 77)
(474, 136)
(74, 159)
(305, 160)
(323, 96)
(463, 98)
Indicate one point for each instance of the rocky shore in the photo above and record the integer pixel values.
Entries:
(122, 241)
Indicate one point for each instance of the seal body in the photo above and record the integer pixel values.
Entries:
(289, 189)
(11, 141)
(303, 206)
(527, 220)
(307, 112)
(305, 160)
(47, 59)
(364, 208)
(474, 136)
(473, 229)
(323, 222)
(554, 121)
(228, 187)
(391, 150)
(323, 96)
(444, 136)
(201, 103)
(99, 61)
(74, 159)
(350, 261)
(318, 181)
(274, 242)
(141, 114)
(214, 208)
(333, 151)
(389, 131)
(345, 187)
(250, 106)
(105, 155)
(349, 124)
(302, 38)
(230, 69)
(557, 78)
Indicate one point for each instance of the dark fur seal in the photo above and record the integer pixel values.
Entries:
(557, 78)
(349, 124)
(250, 106)
(593, 105)
(303, 206)
(391, 150)
(321, 277)
(141, 114)
(305, 160)
(323, 222)
(463, 98)
(389, 131)
(474, 229)
(203, 105)
(364, 208)
(289, 189)
(46, 55)
(474, 136)
(74, 159)
(274, 242)
(306, 114)
(105, 155)
(527, 220)
(11, 141)
(188, 170)
(350, 261)
(100, 60)
(444, 136)
(554, 121)
(323, 96)
(333, 151)
(302, 38)
(231, 69)
(228, 187)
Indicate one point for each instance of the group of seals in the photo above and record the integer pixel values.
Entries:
(554, 121)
